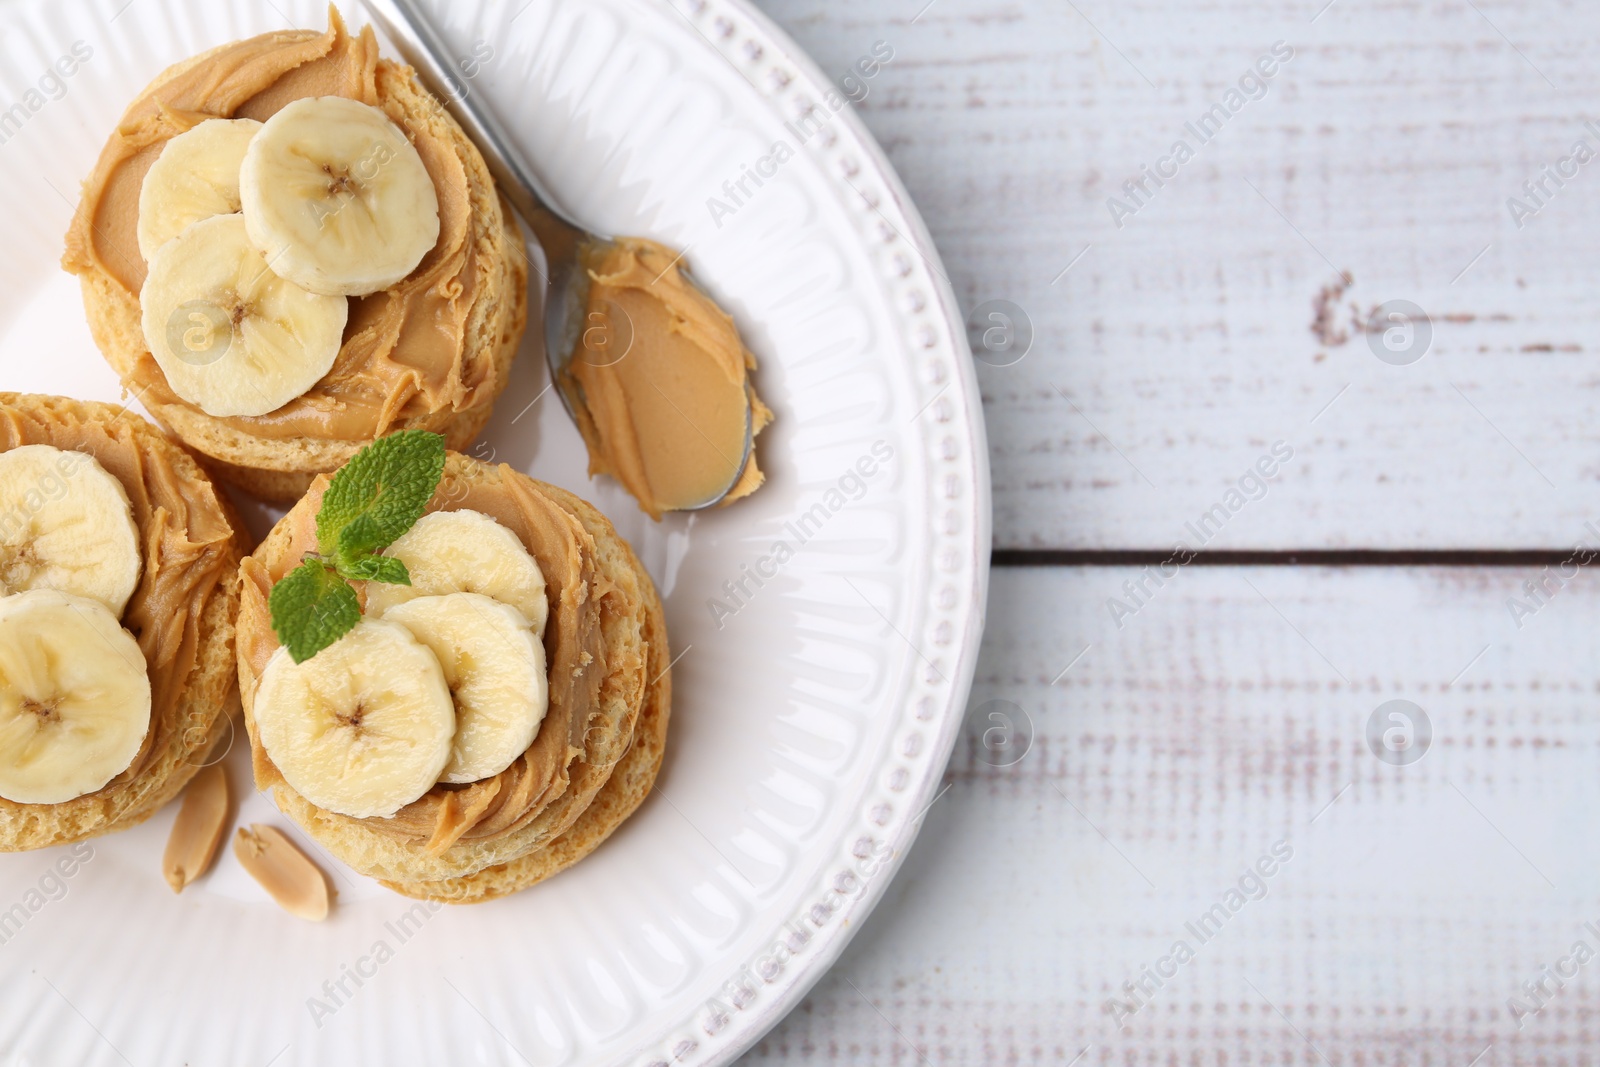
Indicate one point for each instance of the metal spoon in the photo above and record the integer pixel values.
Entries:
(566, 243)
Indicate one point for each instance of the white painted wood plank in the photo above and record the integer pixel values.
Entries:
(1181, 344)
(1227, 715)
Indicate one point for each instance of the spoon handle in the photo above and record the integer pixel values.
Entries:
(420, 45)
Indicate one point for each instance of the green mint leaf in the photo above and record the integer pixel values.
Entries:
(312, 607)
(380, 493)
(376, 497)
(370, 568)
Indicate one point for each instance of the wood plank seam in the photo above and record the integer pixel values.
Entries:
(1320, 557)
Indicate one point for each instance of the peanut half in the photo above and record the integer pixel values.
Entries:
(198, 829)
(293, 881)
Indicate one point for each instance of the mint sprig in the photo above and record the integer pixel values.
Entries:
(312, 607)
(369, 504)
(377, 569)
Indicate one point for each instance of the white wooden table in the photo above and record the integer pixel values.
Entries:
(1425, 905)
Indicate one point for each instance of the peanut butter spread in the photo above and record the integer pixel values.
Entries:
(188, 550)
(404, 351)
(574, 650)
(665, 382)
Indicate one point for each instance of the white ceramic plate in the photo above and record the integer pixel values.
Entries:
(810, 724)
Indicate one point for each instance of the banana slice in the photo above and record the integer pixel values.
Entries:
(66, 524)
(74, 697)
(464, 552)
(363, 728)
(494, 666)
(195, 176)
(337, 197)
(231, 336)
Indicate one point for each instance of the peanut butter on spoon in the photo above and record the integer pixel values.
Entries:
(660, 383)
